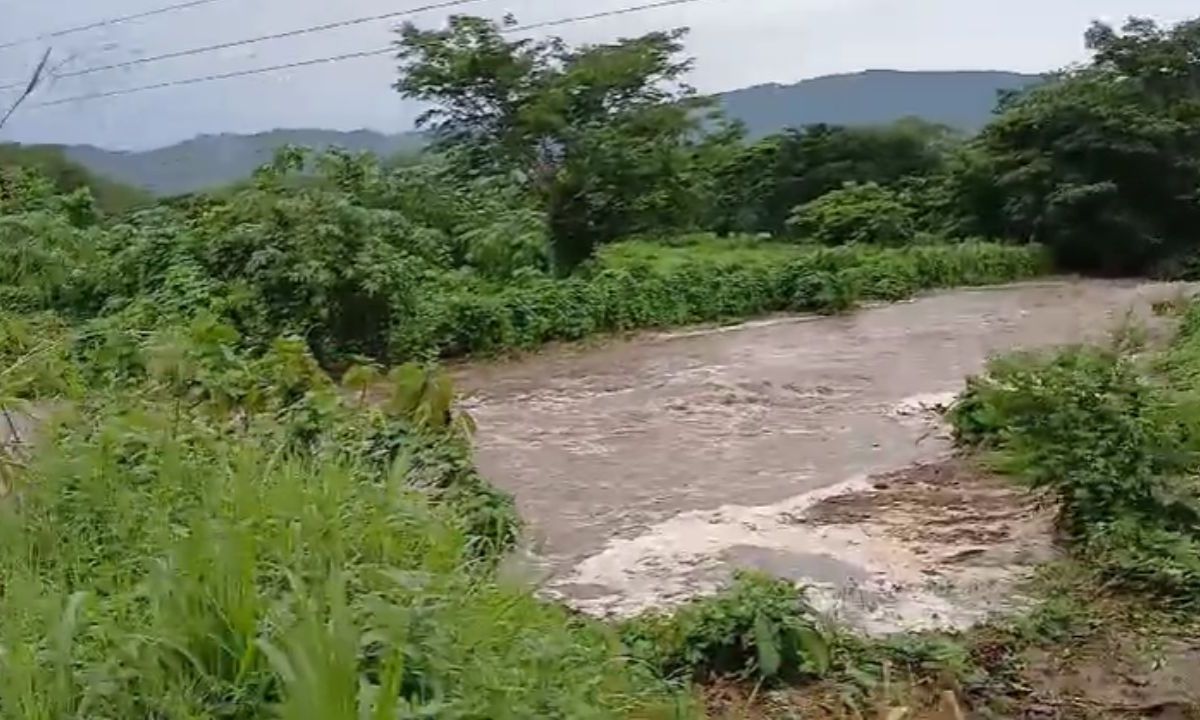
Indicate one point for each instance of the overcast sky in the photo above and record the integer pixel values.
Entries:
(736, 43)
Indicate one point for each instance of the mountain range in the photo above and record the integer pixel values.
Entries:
(963, 100)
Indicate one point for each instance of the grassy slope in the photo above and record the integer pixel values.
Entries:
(159, 566)
(175, 550)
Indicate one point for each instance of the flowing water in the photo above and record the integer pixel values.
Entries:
(649, 467)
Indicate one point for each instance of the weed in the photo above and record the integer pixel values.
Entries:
(759, 628)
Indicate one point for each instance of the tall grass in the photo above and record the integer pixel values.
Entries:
(167, 559)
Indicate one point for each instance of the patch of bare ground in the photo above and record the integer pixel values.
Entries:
(1123, 674)
(906, 700)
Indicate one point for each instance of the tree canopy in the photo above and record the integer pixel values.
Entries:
(1103, 164)
(601, 133)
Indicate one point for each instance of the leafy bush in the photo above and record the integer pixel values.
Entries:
(866, 213)
(1118, 449)
(505, 248)
(1067, 416)
(307, 262)
(35, 359)
(42, 251)
(758, 185)
(760, 627)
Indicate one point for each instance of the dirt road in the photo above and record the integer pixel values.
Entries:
(650, 467)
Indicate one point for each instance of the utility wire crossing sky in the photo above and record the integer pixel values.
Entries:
(390, 49)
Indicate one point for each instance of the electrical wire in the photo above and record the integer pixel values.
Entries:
(219, 76)
(350, 56)
(599, 15)
(260, 39)
(105, 23)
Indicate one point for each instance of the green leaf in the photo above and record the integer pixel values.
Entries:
(766, 641)
(815, 649)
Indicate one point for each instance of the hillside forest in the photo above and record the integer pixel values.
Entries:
(236, 483)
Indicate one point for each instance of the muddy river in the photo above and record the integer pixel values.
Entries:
(649, 468)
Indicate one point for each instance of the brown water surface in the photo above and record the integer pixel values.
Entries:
(603, 444)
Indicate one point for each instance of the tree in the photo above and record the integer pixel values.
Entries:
(603, 134)
(1103, 163)
(1162, 61)
(856, 213)
(762, 185)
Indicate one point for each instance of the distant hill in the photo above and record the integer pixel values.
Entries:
(211, 161)
(67, 176)
(962, 100)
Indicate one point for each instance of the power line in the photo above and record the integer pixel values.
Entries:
(352, 55)
(260, 39)
(599, 15)
(219, 76)
(105, 23)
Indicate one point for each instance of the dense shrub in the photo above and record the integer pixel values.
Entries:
(758, 185)
(866, 213)
(642, 285)
(760, 627)
(1117, 448)
(1100, 164)
(309, 262)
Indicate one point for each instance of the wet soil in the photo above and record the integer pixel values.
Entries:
(650, 467)
(1122, 675)
(1129, 665)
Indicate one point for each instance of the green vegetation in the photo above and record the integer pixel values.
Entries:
(1099, 164)
(760, 628)
(202, 522)
(225, 539)
(409, 264)
(67, 177)
(1117, 443)
(856, 214)
(759, 186)
(639, 285)
(1102, 164)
